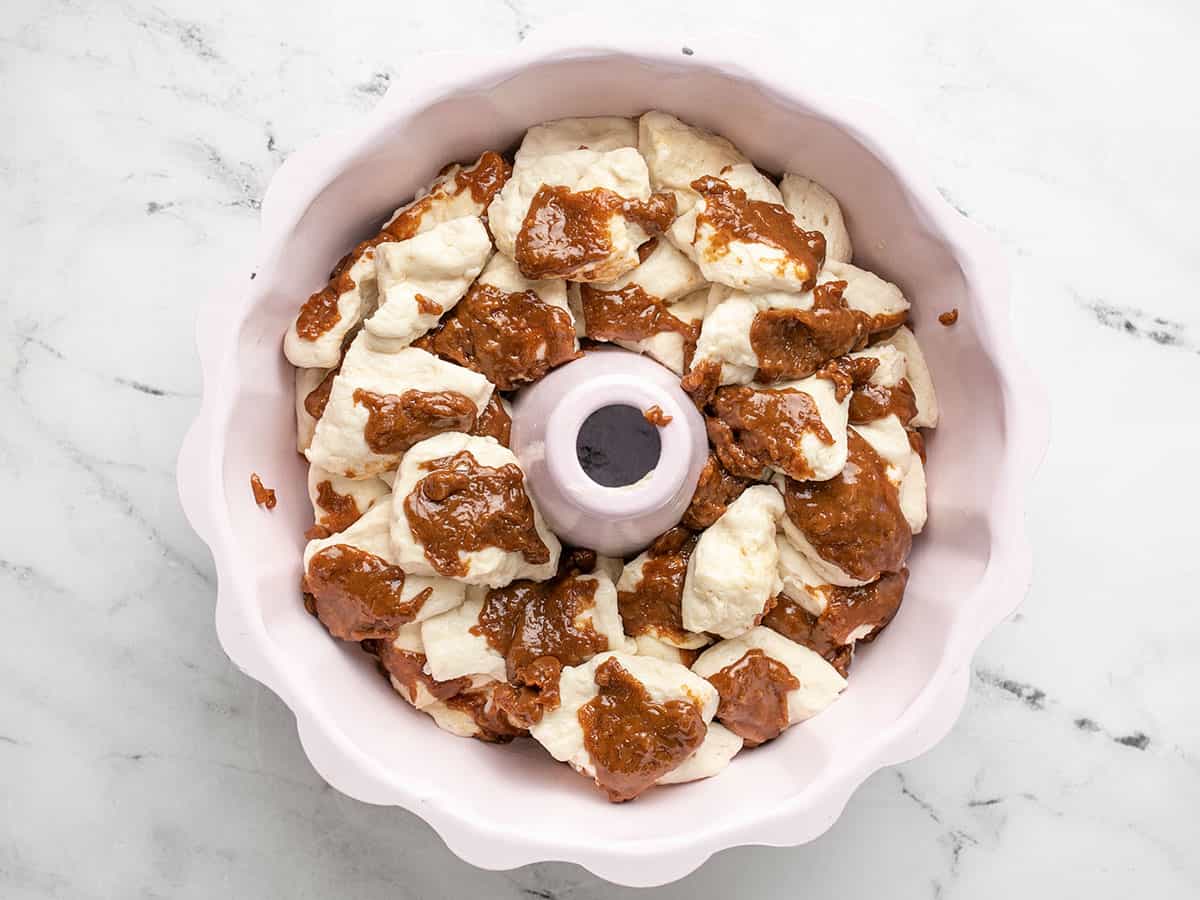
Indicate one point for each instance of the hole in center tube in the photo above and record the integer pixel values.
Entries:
(617, 446)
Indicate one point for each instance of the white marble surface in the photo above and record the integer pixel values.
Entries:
(136, 761)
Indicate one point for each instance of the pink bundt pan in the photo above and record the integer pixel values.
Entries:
(505, 807)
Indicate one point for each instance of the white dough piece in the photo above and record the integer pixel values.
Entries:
(725, 337)
(352, 305)
(725, 333)
(452, 650)
(820, 682)
(445, 199)
(866, 291)
(599, 133)
(733, 571)
(742, 176)
(605, 614)
(720, 746)
(460, 722)
(892, 364)
(888, 438)
(918, 376)
(622, 171)
(630, 581)
(408, 640)
(439, 265)
(456, 721)
(677, 154)
(575, 304)
(490, 566)
(825, 460)
(306, 382)
(339, 444)
(370, 534)
(800, 580)
(826, 572)
(815, 209)
(668, 275)
(741, 264)
(913, 500)
(366, 492)
(559, 730)
(652, 646)
(667, 347)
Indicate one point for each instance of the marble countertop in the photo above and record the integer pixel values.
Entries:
(136, 761)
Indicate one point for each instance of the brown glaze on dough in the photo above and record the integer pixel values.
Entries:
(853, 520)
(753, 429)
(735, 217)
(916, 440)
(358, 595)
(631, 739)
(847, 373)
(493, 724)
(702, 382)
(535, 626)
(532, 693)
(407, 667)
(847, 609)
(566, 233)
(340, 510)
(548, 626)
(754, 696)
(512, 338)
(655, 605)
(263, 495)
(631, 314)
(494, 421)
(874, 401)
(320, 312)
(483, 180)
(396, 422)
(318, 398)
(464, 506)
(715, 490)
(501, 610)
(644, 250)
(793, 343)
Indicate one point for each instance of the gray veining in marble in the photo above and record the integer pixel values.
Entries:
(138, 139)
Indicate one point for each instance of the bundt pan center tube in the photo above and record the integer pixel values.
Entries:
(589, 451)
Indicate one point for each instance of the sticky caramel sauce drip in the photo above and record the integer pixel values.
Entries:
(754, 696)
(632, 739)
(733, 216)
(396, 422)
(564, 231)
(464, 506)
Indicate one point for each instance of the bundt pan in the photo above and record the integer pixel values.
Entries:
(504, 807)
